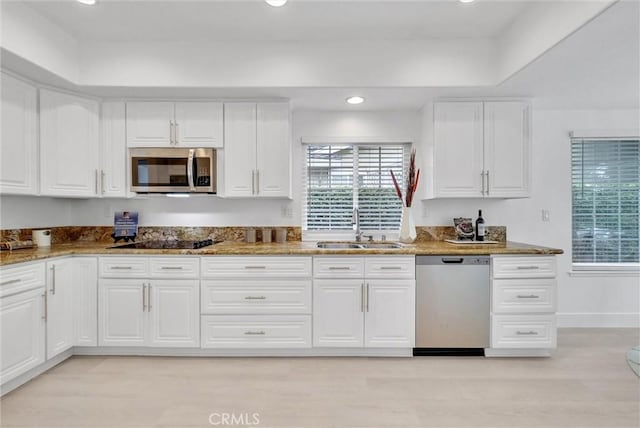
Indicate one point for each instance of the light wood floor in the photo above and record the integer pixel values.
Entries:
(587, 383)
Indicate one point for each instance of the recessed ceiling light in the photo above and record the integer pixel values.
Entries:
(276, 3)
(467, 1)
(355, 100)
(89, 2)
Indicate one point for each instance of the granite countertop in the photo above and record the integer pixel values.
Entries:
(288, 248)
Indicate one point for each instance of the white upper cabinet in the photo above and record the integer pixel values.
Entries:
(273, 162)
(113, 151)
(69, 140)
(240, 149)
(506, 149)
(481, 149)
(458, 152)
(257, 155)
(169, 124)
(19, 144)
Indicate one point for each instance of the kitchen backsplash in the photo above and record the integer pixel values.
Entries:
(103, 233)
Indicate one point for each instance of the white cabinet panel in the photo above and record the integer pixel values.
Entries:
(256, 267)
(113, 151)
(122, 318)
(85, 301)
(338, 267)
(458, 149)
(523, 331)
(60, 327)
(240, 149)
(389, 313)
(150, 124)
(199, 124)
(392, 267)
(273, 150)
(19, 143)
(256, 296)
(523, 295)
(506, 148)
(338, 313)
(69, 140)
(22, 328)
(124, 267)
(265, 331)
(523, 267)
(23, 277)
(174, 267)
(174, 313)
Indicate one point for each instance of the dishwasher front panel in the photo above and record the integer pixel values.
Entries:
(452, 302)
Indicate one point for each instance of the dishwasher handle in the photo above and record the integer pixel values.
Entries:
(448, 260)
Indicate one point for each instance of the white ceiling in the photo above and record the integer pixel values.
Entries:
(299, 20)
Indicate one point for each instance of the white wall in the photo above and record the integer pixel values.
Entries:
(17, 212)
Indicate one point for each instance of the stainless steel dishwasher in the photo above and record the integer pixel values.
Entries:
(452, 305)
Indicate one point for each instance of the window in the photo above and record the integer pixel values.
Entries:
(342, 177)
(605, 177)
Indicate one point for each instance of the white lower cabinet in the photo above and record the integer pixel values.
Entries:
(143, 311)
(85, 301)
(22, 328)
(523, 303)
(60, 326)
(374, 313)
(256, 302)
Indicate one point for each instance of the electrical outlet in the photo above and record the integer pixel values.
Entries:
(545, 215)
(286, 211)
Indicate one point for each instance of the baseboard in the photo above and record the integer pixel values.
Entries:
(586, 319)
(36, 371)
(198, 352)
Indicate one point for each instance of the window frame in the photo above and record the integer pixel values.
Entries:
(599, 268)
(322, 235)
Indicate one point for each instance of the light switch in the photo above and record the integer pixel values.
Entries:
(545, 215)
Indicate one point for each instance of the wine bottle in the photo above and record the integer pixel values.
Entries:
(480, 227)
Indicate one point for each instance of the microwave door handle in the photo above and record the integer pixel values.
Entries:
(190, 169)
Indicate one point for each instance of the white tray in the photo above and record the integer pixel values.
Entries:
(455, 241)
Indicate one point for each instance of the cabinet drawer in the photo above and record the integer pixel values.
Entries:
(523, 331)
(124, 267)
(174, 267)
(338, 267)
(523, 295)
(523, 267)
(390, 267)
(256, 267)
(258, 296)
(16, 279)
(238, 331)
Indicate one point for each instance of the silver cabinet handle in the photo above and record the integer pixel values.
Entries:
(482, 175)
(255, 267)
(253, 181)
(527, 267)
(171, 268)
(362, 297)
(11, 281)
(171, 132)
(103, 178)
(528, 296)
(367, 297)
(144, 297)
(53, 279)
(120, 268)
(255, 298)
(488, 185)
(527, 333)
(254, 333)
(149, 297)
(390, 267)
(339, 268)
(257, 181)
(192, 185)
(96, 182)
(176, 133)
(44, 306)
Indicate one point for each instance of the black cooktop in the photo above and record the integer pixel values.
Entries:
(167, 245)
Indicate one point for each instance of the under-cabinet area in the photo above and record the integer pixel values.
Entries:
(287, 305)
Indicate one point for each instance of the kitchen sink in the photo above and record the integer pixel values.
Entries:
(359, 245)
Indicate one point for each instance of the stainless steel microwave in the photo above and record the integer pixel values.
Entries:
(173, 170)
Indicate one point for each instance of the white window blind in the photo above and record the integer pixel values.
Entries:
(342, 177)
(605, 178)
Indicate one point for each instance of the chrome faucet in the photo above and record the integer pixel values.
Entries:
(356, 221)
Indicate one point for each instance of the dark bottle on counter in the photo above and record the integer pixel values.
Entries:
(480, 227)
